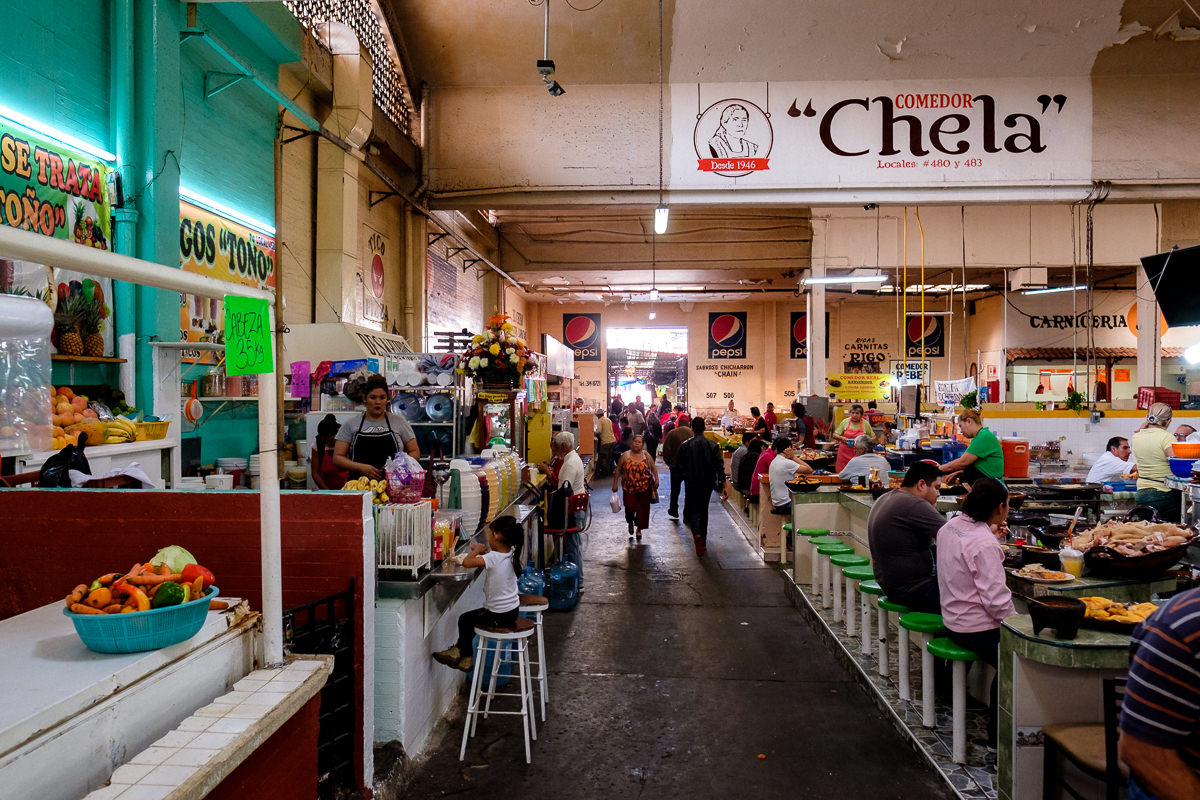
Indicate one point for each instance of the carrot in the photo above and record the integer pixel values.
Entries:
(217, 605)
(80, 608)
(153, 590)
(106, 580)
(115, 608)
(77, 594)
(153, 580)
(163, 569)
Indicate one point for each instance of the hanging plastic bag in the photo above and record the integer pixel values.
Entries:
(405, 478)
(614, 503)
(355, 384)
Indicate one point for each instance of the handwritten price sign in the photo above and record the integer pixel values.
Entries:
(247, 336)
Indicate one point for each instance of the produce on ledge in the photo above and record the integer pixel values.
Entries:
(378, 489)
(171, 578)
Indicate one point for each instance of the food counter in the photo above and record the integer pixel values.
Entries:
(1045, 680)
(1125, 590)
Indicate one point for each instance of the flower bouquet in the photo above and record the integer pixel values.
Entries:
(496, 356)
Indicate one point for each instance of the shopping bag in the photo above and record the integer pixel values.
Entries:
(653, 494)
(614, 503)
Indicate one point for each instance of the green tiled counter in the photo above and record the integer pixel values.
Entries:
(1046, 680)
(840, 512)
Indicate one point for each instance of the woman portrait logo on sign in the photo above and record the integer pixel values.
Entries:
(733, 138)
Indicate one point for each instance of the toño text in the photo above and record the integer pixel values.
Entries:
(954, 133)
(49, 169)
(724, 370)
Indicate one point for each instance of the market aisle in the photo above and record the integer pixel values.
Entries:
(671, 677)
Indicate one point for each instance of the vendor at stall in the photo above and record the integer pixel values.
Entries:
(364, 444)
(1152, 447)
(730, 418)
(850, 429)
(984, 457)
(1115, 463)
(325, 473)
(865, 459)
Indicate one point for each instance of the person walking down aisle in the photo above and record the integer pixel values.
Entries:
(703, 470)
(501, 560)
(606, 440)
(654, 433)
(670, 453)
(638, 478)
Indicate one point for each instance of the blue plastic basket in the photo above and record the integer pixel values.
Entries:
(142, 630)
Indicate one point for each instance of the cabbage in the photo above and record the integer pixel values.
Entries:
(175, 557)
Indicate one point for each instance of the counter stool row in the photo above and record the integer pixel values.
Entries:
(502, 644)
(835, 560)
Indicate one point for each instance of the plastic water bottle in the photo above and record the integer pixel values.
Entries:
(563, 588)
(532, 581)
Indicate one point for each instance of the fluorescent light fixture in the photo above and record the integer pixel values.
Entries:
(831, 279)
(1054, 289)
(654, 295)
(660, 219)
(55, 134)
(1192, 354)
(197, 199)
(653, 315)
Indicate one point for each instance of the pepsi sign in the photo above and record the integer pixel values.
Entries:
(581, 332)
(799, 345)
(926, 330)
(727, 334)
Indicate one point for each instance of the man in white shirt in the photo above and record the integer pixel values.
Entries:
(1116, 461)
(864, 459)
(784, 466)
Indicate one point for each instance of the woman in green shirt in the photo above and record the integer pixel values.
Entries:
(1152, 447)
(984, 457)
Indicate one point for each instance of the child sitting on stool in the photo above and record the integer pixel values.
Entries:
(501, 602)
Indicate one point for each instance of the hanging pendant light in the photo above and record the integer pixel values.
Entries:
(662, 212)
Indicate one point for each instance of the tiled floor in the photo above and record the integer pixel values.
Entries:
(977, 778)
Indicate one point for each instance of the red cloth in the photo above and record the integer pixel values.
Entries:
(810, 432)
(335, 478)
(771, 419)
(846, 451)
(761, 468)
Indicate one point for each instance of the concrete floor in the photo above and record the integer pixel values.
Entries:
(672, 678)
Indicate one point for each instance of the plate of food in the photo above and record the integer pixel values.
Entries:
(1112, 615)
(1036, 573)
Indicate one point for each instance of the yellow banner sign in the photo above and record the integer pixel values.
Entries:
(218, 247)
(859, 386)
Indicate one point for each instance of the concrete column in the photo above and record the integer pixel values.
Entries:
(337, 232)
(768, 384)
(1149, 338)
(815, 364)
(412, 303)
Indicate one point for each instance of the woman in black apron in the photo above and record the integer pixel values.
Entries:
(363, 448)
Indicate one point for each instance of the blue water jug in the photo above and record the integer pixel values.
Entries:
(532, 581)
(563, 588)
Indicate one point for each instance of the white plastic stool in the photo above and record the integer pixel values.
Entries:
(494, 641)
(944, 647)
(887, 606)
(536, 605)
(926, 626)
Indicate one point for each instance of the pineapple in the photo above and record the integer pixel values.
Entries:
(78, 229)
(90, 322)
(67, 324)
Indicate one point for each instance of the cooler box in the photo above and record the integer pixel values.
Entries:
(1016, 457)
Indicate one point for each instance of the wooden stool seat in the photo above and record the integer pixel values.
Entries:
(522, 627)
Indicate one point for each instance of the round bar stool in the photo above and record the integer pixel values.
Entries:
(887, 607)
(867, 589)
(494, 641)
(533, 606)
(926, 626)
(813, 535)
(856, 575)
(944, 647)
(836, 565)
(824, 552)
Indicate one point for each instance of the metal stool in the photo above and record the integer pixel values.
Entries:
(944, 647)
(824, 552)
(852, 576)
(836, 564)
(535, 605)
(926, 626)
(886, 607)
(494, 640)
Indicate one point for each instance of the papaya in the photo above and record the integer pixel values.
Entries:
(96, 430)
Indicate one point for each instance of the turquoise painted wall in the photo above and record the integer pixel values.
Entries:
(54, 65)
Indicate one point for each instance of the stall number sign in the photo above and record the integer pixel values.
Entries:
(247, 336)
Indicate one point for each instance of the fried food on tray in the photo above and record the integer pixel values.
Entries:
(1102, 608)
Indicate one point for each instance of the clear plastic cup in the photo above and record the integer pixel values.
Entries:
(1072, 562)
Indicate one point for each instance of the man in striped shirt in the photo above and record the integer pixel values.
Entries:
(1160, 717)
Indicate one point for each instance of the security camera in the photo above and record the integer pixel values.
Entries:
(869, 207)
(545, 66)
(553, 88)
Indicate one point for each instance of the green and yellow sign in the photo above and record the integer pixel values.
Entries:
(50, 189)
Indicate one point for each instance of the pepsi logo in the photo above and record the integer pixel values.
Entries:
(581, 332)
(930, 331)
(800, 329)
(727, 331)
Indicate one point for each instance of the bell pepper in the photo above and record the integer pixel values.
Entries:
(143, 602)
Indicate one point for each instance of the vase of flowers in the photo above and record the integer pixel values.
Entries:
(497, 358)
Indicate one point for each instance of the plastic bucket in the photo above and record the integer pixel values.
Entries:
(1016, 457)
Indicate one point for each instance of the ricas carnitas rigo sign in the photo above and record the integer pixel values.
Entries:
(847, 134)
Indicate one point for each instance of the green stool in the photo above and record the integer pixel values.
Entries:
(818, 537)
(803, 548)
(814, 531)
(886, 607)
(944, 647)
(926, 626)
(836, 564)
(818, 540)
(856, 575)
(824, 573)
(872, 588)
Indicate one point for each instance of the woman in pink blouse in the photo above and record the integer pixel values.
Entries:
(970, 573)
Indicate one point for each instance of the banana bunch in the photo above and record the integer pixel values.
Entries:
(377, 488)
(120, 431)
